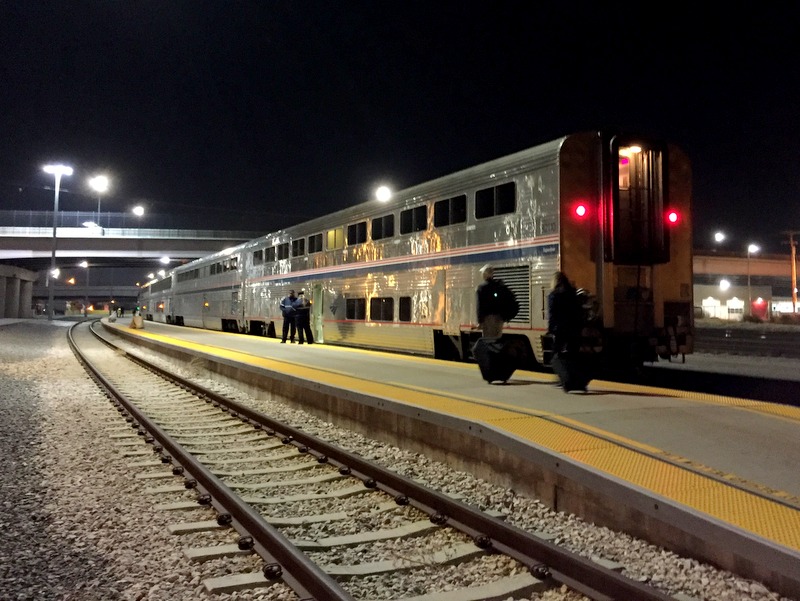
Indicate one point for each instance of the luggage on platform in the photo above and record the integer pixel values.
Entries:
(573, 370)
(495, 358)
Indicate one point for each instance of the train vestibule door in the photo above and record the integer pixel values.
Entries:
(317, 297)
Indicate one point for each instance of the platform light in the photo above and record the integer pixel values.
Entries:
(627, 151)
(724, 285)
(99, 184)
(751, 249)
(383, 194)
(165, 260)
(57, 171)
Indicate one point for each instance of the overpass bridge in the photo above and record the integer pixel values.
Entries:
(118, 259)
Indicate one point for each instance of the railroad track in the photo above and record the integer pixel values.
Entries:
(756, 341)
(322, 521)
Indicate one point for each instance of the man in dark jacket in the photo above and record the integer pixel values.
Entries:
(302, 307)
(495, 303)
(288, 312)
(564, 314)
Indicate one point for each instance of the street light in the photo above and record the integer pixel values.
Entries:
(57, 171)
(85, 265)
(751, 249)
(99, 184)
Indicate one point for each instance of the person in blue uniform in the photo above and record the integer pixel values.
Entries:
(302, 307)
(288, 312)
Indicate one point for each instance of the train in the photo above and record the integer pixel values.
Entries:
(610, 210)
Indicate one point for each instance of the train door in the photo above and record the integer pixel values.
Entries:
(317, 294)
(236, 323)
(206, 309)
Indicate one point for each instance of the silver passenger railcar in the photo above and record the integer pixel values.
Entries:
(612, 211)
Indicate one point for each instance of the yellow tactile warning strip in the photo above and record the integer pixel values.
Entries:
(741, 508)
(738, 507)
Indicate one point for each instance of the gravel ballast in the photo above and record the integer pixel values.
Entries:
(77, 526)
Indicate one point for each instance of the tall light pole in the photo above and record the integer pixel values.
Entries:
(57, 171)
(751, 249)
(99, 184)
(793, 255)
(85, 265)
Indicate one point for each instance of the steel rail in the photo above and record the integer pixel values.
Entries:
(542, 557)
(304, 577)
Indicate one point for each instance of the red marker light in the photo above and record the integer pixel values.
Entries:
(672, 217)
(581, 210)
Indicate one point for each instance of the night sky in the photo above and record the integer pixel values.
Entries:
(264, 114)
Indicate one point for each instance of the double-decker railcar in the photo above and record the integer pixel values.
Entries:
(611, 211)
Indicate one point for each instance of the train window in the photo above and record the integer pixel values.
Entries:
(188, 275)
(414, 220)
(450, 211)
(283, 251)
(232, 264)
(356, 308)
(335, 239)
(298, 247)
(162, 285)
(381, 309)
(357, 233)
(383, 227)
(258, 257)
(404, 309)
(269, 254)
(315, 243)
(498, 200)
(639, 232)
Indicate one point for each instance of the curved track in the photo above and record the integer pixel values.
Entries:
(298, 501)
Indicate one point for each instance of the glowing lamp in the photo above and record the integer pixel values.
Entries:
(673, 217)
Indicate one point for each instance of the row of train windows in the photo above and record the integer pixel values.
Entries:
(380, 309)
(497, 200)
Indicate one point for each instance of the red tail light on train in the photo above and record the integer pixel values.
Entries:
(673, 217)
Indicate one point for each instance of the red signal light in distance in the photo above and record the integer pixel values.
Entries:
(581, 211)
(673, 217)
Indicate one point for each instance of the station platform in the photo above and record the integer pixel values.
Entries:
(708, 476)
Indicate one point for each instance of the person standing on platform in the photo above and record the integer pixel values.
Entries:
(565, 324)
(288, 312)
(302, 307)
(496, 304)
(563, 314)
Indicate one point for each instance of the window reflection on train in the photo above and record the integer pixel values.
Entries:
(612, 212)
